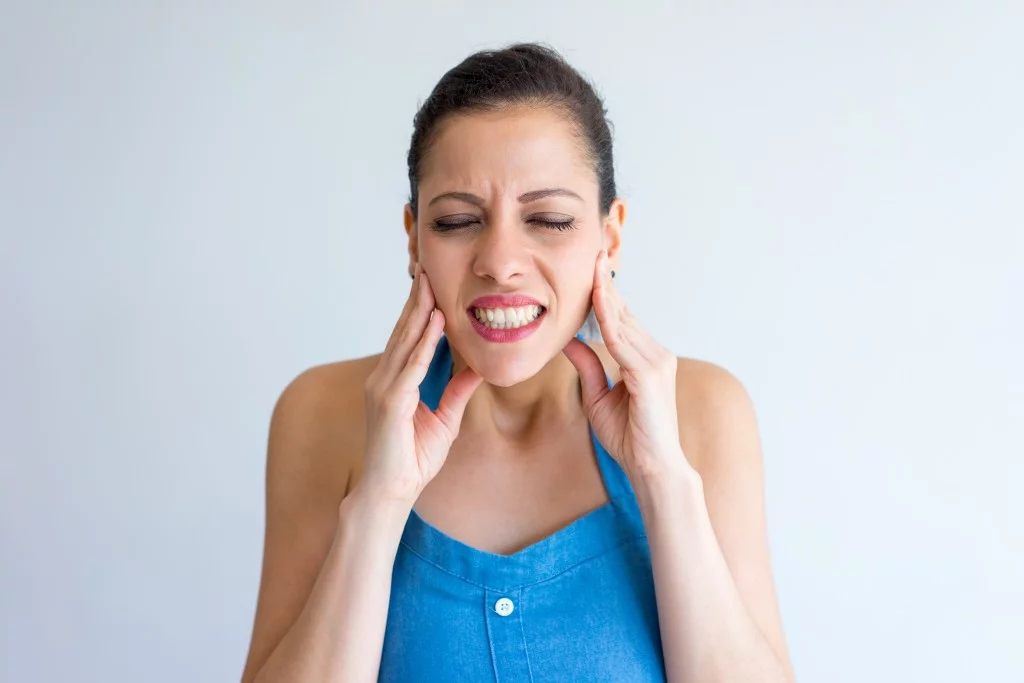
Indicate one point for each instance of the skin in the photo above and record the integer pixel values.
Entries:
(502, 246)
(527, 413)
(522, 461)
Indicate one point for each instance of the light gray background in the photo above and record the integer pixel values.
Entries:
(201, 199)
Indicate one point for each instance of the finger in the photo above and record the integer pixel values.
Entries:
(610, 312)
(410, 304)
(632, 330)
(452, 405)
(641, 339)
(411, 332)
(412, 371)
(588, 365)
(407, 311)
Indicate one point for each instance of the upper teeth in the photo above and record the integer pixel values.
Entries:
(507, 318)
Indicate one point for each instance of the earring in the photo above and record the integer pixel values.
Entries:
(613, 273)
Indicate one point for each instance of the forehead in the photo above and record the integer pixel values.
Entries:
(511, 151)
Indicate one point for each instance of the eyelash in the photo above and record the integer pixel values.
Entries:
(561, 226)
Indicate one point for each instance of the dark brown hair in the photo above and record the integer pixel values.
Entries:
(522, 74)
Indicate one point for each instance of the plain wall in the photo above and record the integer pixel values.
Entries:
(198, 200)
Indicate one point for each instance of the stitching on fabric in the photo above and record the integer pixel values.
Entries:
(586, 559)
(446, 571)
(522, 629)
(490, 638)
(625, 541)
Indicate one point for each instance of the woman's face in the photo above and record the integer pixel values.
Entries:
(509, 221)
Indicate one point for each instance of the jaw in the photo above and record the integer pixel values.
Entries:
(505, 364)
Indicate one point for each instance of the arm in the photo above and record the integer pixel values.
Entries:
(327, 564)
(340, 632)
(717, 607)
(327, 567)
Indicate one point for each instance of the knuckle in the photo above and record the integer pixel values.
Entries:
(418, 363)
(410, 336)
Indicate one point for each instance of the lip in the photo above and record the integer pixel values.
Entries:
(505, 336)
(504, 301)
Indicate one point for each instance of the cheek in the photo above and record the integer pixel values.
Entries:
(442, 268)
(577, 270)
(576, 288)
(445, 290)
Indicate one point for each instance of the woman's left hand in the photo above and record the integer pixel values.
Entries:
(636, 420)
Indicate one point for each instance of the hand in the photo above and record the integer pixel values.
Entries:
(636, 420)
(407, 442)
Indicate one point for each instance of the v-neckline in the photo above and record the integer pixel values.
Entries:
(600, 529)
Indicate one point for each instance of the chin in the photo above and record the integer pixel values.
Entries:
(503, 369)
(503, 365)
(505, 377)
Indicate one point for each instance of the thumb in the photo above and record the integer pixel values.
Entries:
(456, 395)
(588, 364)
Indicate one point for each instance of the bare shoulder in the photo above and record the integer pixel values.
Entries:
(720, 438)
(715, 414)
(711, 403)
(315, 443)
(319, 421)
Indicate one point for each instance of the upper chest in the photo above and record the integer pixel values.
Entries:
(503, 502)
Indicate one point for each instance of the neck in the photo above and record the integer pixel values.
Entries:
(522, 412)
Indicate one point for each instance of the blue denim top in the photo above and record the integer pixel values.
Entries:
(576, 606)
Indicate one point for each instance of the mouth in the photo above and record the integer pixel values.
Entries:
(505, 319)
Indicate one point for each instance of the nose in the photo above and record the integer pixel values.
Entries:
(502, 253)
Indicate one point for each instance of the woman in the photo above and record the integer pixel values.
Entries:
(498, 496)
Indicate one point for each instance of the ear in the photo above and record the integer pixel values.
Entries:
(611, 237)
(411, 233)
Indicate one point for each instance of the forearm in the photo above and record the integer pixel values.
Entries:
(339, 634)
(707, 634)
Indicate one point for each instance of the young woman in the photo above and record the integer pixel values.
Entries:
(499, 496)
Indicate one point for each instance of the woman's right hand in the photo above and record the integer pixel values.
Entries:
(406, 441)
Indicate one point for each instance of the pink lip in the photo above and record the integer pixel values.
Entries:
(504, 301)
(505, 336)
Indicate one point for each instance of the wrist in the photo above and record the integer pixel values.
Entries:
(669, 487)
(366, 508)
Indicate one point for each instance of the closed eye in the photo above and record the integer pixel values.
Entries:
(451, 225)
(556, 225)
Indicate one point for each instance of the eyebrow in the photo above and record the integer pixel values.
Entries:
(523, 198)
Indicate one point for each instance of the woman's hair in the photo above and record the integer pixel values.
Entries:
(522, 74)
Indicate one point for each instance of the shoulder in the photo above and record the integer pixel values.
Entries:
(315, 443)
(717, 423)
(720, 438)
(317, 427)
(710, 394)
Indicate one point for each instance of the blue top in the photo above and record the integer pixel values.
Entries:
(576, 606)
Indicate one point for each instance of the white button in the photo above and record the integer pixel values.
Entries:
(504, 607)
